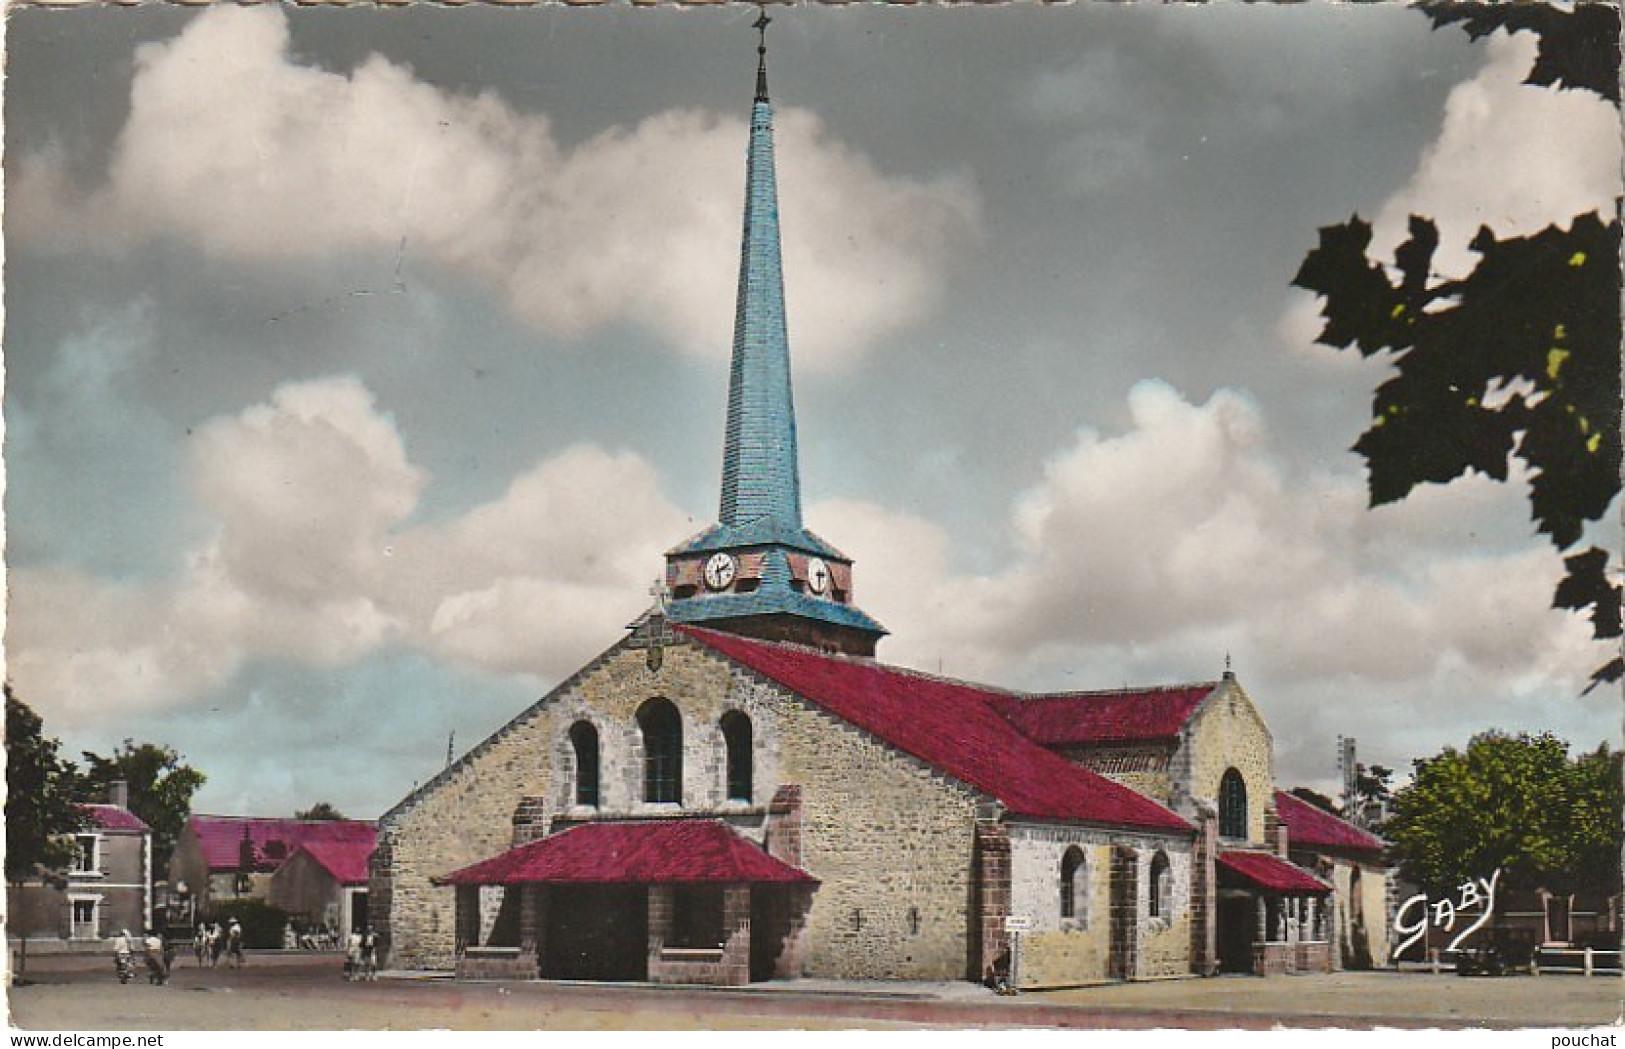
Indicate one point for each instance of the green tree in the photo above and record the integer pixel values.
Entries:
(319, 811)
(161, 788)
(1517, 803)
(1520, 358)
(40, 812)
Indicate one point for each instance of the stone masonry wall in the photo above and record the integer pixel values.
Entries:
(890, 839)
(1227, 732)
(1060, 952)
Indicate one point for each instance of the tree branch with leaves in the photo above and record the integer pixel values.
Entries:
(1520, 359)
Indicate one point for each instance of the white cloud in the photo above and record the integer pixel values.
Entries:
(1146, 556)
(314, 560)
(235, 147)
(1510, 156)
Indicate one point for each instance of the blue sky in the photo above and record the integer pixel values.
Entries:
(360, 365)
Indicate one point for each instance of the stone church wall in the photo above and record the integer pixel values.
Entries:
(1227, 732)
(890, 840)
(1060, 952)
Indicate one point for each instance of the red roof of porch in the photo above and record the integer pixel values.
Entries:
(656, 852)
(1309, 826)
(1271, 872)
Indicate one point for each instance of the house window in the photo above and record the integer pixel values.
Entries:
(662, 730)
(584, 740)
(83, 915)
(85, 858)
(736, 736)
(1232, 805)
(1074, 882)
(1162, 887)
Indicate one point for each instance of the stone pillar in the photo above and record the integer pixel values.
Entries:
(380, 896)
(467, 932)
(790, 964)
(532, 921)
(736, 924)
(783, 829)
(1205, 894)
(1123, 934)
(660, 913)
(992, 884)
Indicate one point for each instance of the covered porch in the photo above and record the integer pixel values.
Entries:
(1274, 916)
(675, 901)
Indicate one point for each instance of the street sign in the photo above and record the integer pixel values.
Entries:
(1017, 923)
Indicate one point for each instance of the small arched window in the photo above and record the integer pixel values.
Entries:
(1161, 902)
(584, 741)
(1074, 883)
(1232, 805)
(736, 737)
(662, 729)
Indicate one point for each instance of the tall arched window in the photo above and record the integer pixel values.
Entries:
(662, 730)
(1232, 805)
(1074, 883)
(1161, 902)
(736, 737)
(584, 740)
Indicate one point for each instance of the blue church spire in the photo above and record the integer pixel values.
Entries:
(760, 472)
(758, 571)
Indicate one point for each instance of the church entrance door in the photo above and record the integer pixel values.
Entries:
(1237, 913)
(596, 932)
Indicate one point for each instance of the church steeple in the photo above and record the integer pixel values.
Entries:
(760, 473)
(758, 571)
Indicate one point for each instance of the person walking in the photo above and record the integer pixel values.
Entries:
(234, 943)
(123, 962)
(157, 971)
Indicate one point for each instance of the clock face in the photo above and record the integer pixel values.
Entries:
(817, 575)
(719, 571)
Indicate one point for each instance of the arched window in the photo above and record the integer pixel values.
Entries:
(1162, 887)
(1074, 883)
(736, 736)
(584, 740)
(1232, 805)
(662, 730)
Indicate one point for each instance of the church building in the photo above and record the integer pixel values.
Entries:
(737, 790)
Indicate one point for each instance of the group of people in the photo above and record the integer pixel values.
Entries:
(314, 938)
(155, 948)
(361, 955)
(209, 942)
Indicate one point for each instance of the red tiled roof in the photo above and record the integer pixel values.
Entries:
(274, 840)
(1271, 872)
(111, 817)
(951, 726)
(657, 852)
(1129, 716)
(346, 861)
(1311, 826)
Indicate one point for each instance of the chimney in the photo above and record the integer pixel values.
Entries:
(118, 794)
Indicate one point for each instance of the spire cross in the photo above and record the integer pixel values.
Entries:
(660, 592)
(760, 25)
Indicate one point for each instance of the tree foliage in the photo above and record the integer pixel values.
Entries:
(1520, 358)
(320, 811)
(160, 785)
(1518, 803)
(40, 812)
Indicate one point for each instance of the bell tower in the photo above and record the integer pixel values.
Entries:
(758, 571)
